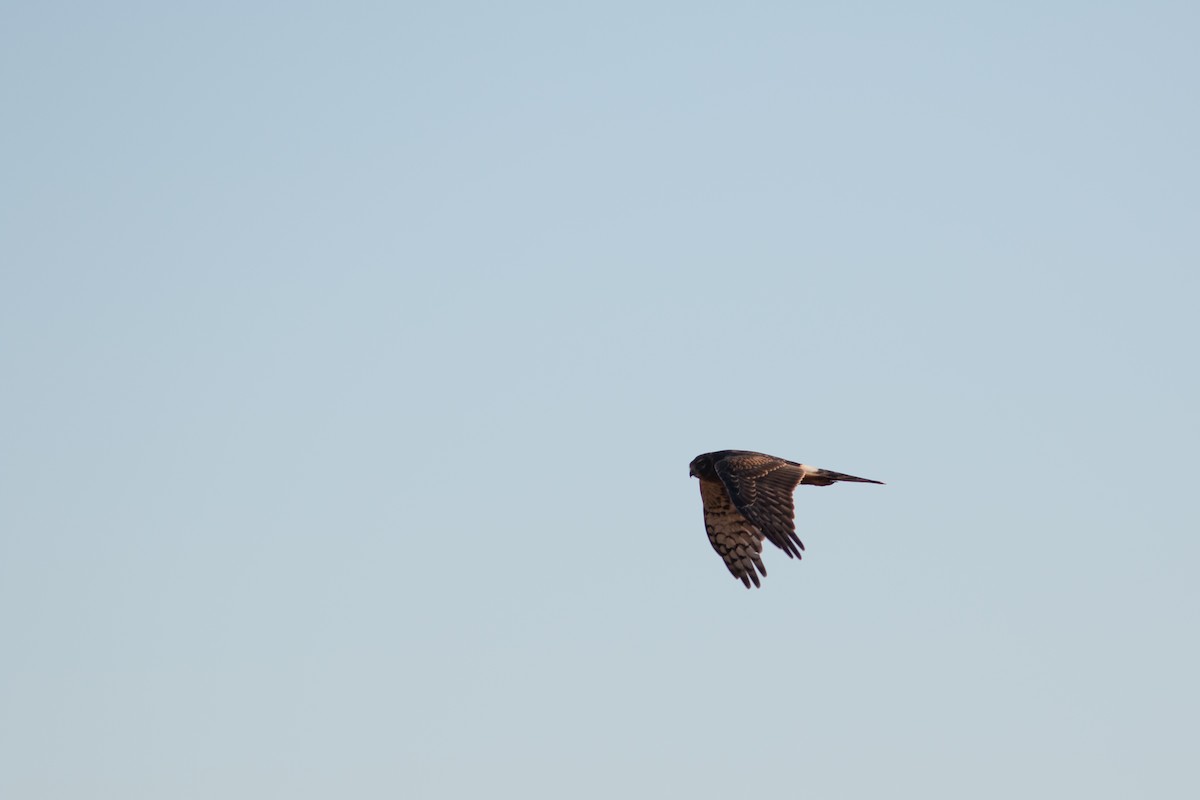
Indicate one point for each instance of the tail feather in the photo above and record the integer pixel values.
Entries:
(824, 477)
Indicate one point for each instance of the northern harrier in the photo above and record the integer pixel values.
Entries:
(748, 497)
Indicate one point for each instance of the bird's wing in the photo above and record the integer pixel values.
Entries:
(734, 538)
(761, 487)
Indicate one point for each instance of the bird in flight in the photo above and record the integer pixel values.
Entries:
(748, 497)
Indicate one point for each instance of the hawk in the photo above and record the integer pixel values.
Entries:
(748, 497)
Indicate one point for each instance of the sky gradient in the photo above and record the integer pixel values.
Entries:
(354, 356)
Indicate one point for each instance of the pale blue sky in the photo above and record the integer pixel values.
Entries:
(354, 354)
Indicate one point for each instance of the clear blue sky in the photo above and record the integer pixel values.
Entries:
(354, 354)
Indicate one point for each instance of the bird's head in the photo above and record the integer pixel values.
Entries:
(700, 467)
